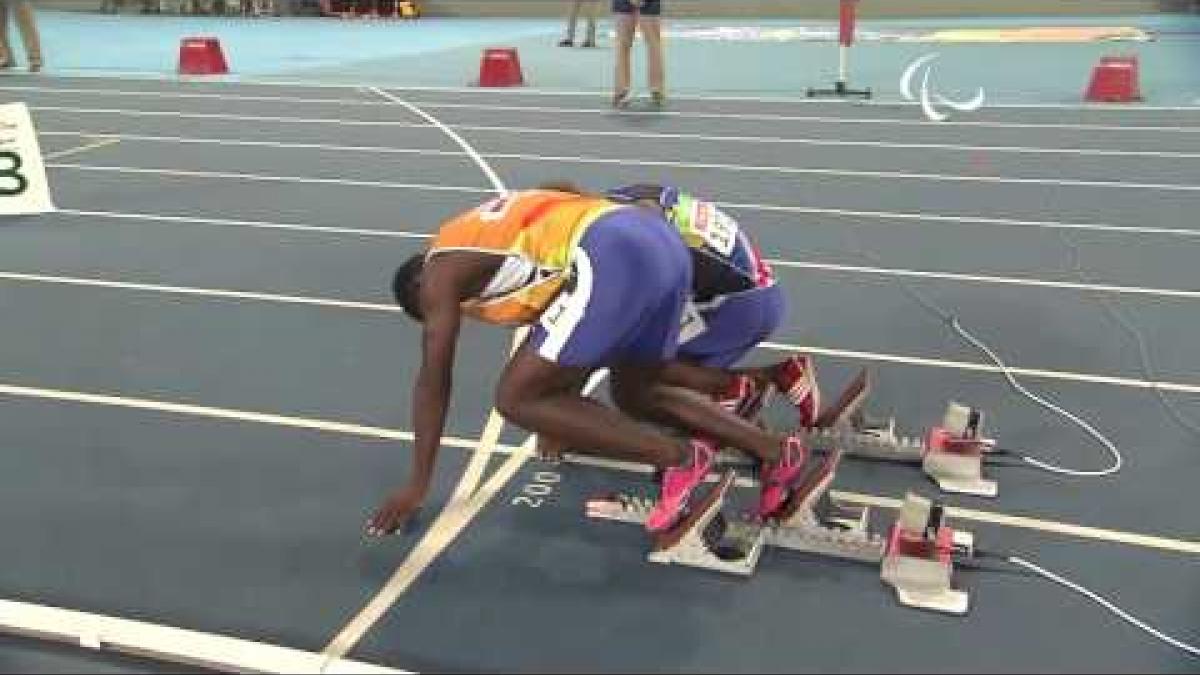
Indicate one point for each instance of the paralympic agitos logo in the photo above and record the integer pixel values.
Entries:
(927, 98)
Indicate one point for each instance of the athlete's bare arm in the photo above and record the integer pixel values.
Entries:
(448, 279)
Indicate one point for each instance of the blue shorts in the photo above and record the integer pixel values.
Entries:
(724, 334)
(632, 276)
(648, 8)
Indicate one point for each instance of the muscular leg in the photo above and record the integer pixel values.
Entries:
(543, 397)
(642, 392)
(710, 380)
(705, 381)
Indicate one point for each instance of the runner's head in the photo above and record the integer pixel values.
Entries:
(563, 186)
(406, 286)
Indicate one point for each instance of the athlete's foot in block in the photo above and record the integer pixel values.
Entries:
(796, 378)
(678, 483)
(780, 477)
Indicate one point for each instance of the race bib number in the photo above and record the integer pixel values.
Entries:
(23, 187)
(718, 230)
(496, 209)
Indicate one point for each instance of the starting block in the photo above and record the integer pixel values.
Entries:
(951, 454)
(917, 558)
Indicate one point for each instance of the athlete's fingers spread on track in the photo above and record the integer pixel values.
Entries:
(399, 508)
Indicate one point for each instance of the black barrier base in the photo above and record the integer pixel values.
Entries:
(840, 90)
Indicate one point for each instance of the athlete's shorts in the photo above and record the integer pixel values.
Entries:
(648, 8)
(632, 277)
(724, 334)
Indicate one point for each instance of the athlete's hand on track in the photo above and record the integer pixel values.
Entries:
(402, 505)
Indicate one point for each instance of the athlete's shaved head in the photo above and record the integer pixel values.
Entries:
(563, 186)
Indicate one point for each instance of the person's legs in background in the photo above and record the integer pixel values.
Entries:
(572, 21)
(27, 24)
(650, 24)
(6, 55)
(588, 8)
(626, 21)
(632, 16)
(590, 14)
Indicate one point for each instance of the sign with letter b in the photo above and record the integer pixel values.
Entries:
(23, 186)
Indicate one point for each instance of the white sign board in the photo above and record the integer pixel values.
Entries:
(23, 186)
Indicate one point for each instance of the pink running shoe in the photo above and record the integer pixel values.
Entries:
(739, 390)
(745, 397)
(678, 482)
(797, 379)
(778, 478)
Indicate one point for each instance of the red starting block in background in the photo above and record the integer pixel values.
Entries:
(1115, 80)
(202, 56)
(500, 67)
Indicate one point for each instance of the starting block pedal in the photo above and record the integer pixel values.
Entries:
(916, 559)
(705, 538)
(952, 454)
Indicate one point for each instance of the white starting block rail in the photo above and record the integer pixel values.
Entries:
(952, 454)
(916, 558)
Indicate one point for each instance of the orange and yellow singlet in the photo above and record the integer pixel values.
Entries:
(536, 232)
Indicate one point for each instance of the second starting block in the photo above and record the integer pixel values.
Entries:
(916, 557)
(951, 454)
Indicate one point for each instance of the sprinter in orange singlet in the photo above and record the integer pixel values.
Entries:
(602, 285)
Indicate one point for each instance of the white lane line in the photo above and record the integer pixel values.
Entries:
(779, 263)
(525, 452)
(79, 149)
(764, 140)
(452, 519)
(821, 119)
(1041, 374)
(180, 173)
(20, 277)
(450, 523)
(680, 114)
(166, 643)
(533, 92)
(985, 279)
(785, 170)
(886, 175)
(971, 219)
(1028, 523)
(881, 215)
(251, 224)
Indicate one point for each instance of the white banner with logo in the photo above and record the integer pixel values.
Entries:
(23, 185)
